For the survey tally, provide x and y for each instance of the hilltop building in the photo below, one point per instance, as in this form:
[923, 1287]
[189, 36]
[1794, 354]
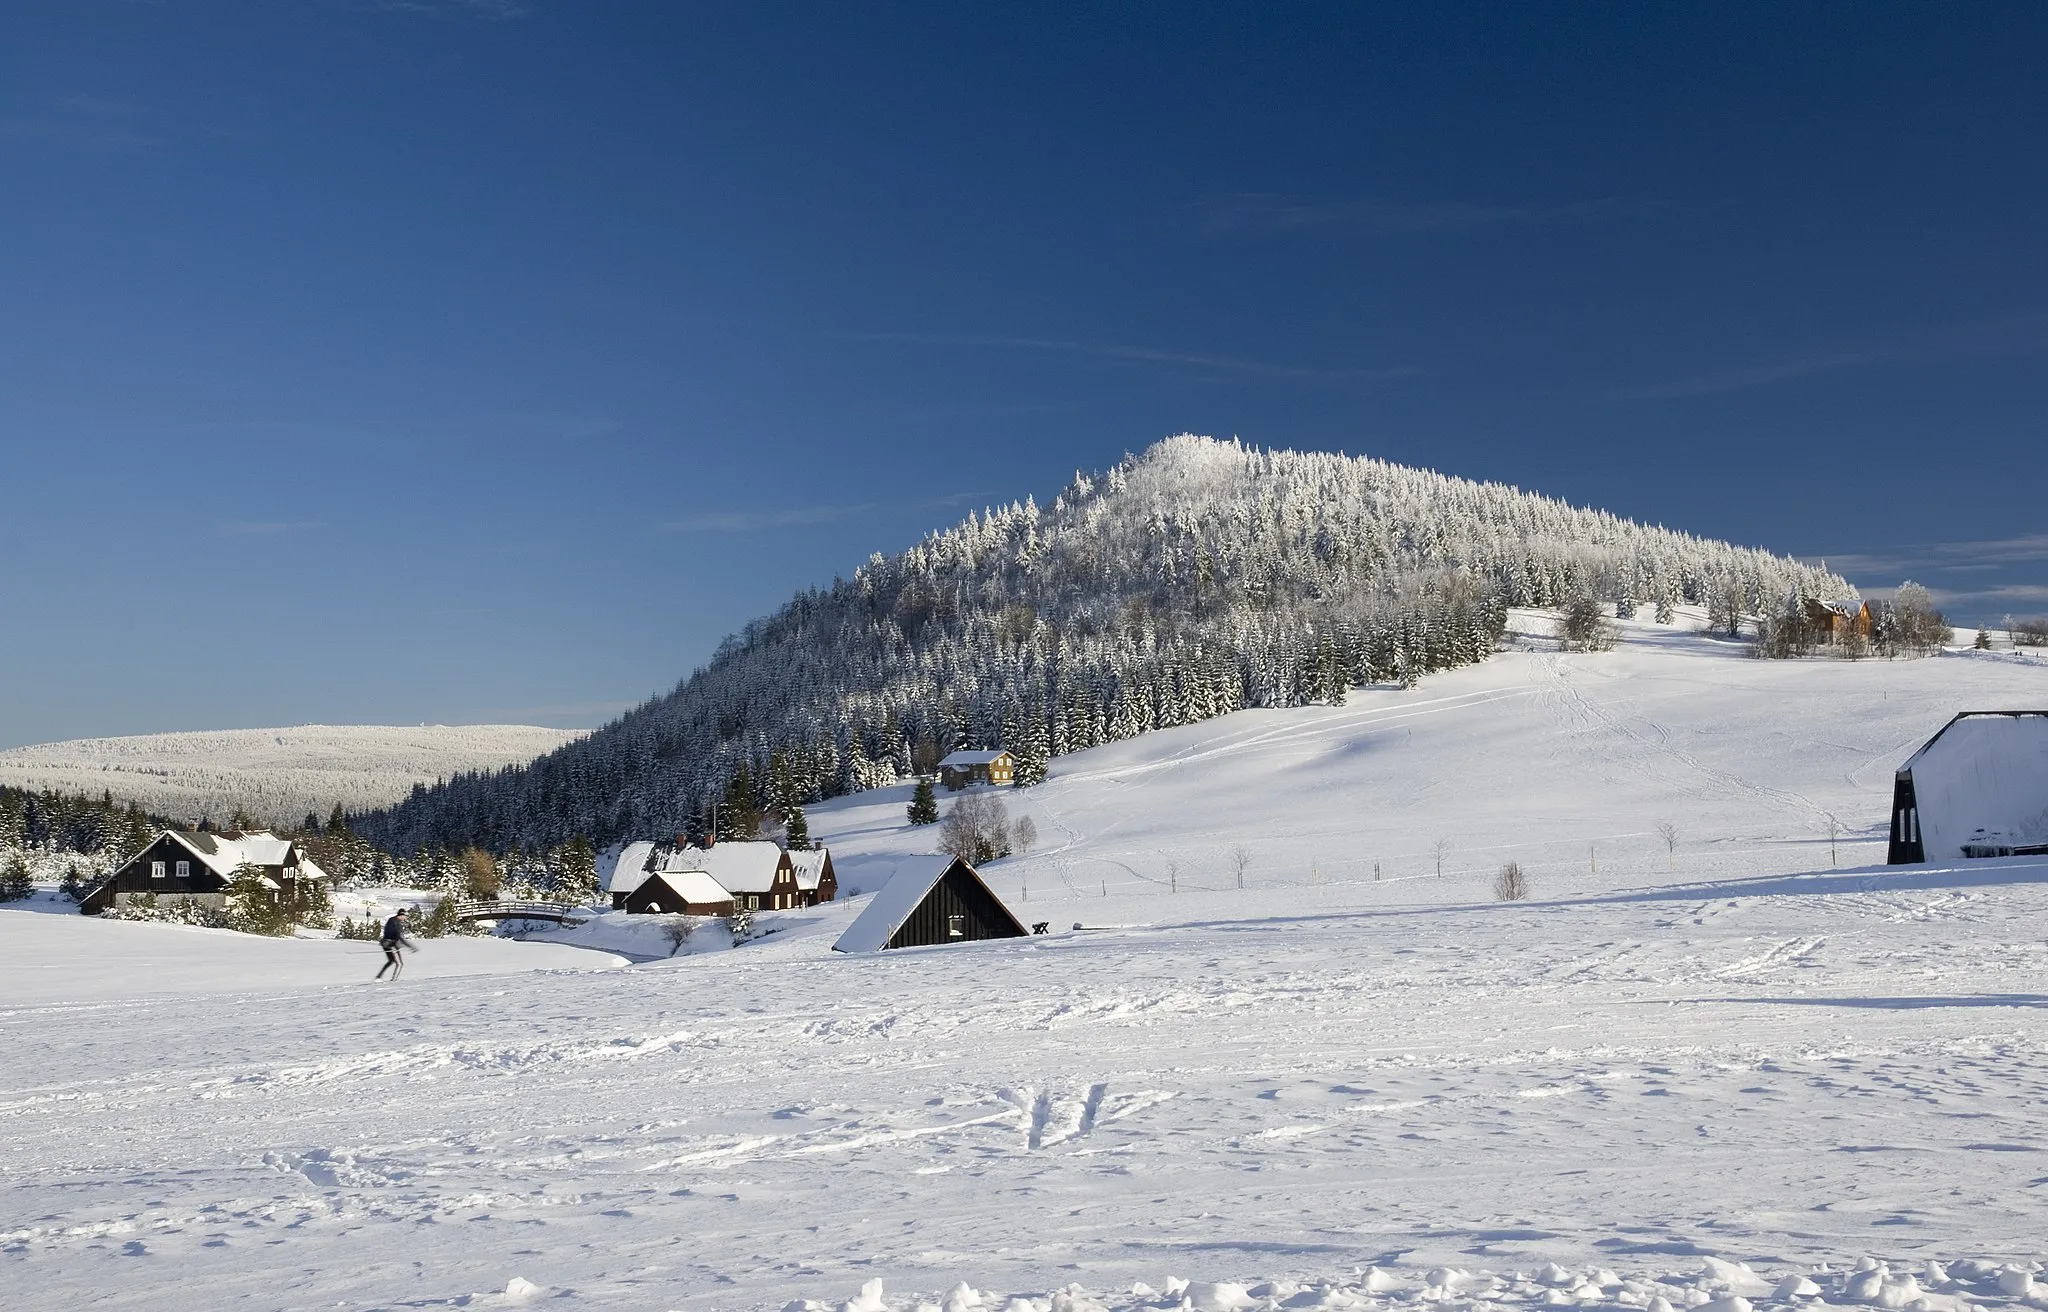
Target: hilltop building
[961, 769]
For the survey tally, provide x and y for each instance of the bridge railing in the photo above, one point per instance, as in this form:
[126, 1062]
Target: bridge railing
[516, 909]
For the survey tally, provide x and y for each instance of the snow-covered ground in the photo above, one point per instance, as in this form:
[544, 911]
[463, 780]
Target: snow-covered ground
[279, 775]
[1319, 1090]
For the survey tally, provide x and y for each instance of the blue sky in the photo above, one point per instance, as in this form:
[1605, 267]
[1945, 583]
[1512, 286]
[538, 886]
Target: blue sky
[443, 361]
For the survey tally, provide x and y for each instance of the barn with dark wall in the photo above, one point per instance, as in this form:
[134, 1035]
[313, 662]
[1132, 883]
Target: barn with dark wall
[1978, 788]
[930, 901]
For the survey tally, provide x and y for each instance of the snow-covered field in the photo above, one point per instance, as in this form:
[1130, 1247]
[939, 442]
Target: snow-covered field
[1320, 1090]
[279, 775]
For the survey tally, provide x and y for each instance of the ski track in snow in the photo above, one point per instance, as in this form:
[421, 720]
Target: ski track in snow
[1354, 1094]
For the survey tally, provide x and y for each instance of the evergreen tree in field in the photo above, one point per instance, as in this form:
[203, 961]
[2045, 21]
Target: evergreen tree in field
[577, 871]
[924, 802]
[253, 905]
[337, 822]
[796, 830]
[1664, 610]
[15, 881]
[1983, 642]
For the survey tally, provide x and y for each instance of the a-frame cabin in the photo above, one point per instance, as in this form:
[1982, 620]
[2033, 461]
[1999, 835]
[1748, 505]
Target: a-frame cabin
[930, 901]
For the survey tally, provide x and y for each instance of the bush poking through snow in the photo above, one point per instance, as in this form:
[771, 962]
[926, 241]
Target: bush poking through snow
[1511, 885]
[178, 911]
[677, 932]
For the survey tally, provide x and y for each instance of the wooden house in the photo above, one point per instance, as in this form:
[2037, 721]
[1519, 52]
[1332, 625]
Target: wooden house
[961, 769]
[759, 874]
[1838, 621]
[815, 880]
[677, 892]
[929, 901]
[194, 866]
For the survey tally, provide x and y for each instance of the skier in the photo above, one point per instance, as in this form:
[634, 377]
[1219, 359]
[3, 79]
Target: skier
[394, 941]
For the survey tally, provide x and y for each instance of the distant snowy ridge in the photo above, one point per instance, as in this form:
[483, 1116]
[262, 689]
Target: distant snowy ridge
[277, 775]
[1197, 579]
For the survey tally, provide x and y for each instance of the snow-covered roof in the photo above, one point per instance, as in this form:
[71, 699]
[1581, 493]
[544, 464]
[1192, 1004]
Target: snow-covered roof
[224, 853]
[622, 869]
[1982, 780]
[886, 911]
[741, 867]
[693, 886]
[972, 758]
[809, 867]
[1841, 605]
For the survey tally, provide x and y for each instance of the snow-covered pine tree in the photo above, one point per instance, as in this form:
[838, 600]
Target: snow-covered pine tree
[924, 802]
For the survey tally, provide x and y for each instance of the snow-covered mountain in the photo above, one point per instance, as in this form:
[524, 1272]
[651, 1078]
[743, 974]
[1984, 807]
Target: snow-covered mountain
[277, 775]
[1197, 579]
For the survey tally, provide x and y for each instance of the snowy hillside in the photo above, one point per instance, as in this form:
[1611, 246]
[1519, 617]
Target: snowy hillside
[1197, 579]
[279, 775]
[1319, 1091]
[1565, 763]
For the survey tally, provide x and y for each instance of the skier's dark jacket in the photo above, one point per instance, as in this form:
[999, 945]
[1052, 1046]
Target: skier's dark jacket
[394, 931]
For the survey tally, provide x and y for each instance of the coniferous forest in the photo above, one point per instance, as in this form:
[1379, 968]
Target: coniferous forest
[1199, 578]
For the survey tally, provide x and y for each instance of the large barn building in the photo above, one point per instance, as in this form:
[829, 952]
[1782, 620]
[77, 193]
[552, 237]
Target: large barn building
[931, 900]
[1978, 788]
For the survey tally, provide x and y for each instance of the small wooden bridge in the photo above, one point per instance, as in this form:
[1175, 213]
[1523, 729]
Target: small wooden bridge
[562, 913]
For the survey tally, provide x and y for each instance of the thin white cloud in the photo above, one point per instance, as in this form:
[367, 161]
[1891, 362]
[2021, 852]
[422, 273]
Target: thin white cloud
[1137, 355]
[1273, 214]
[492, 10]
[264, 528]
[2024, 335]
[1981, 553]
[753, 521]
[81, 122]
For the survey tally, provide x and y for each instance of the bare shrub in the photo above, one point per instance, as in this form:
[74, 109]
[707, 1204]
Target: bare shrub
[677, 932]
[1022, 835]
[2030, 633]
[1510, 885]
[1669, 833]
[1240, 860]
[977, 829]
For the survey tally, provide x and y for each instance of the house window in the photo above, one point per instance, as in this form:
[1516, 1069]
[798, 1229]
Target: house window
[956, 926]
[184, 870]
[156, 870]
[753, 902]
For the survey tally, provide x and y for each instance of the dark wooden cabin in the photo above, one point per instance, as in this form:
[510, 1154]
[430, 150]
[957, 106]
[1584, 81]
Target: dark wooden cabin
[679, 893]
[941, 900]
[197, 866]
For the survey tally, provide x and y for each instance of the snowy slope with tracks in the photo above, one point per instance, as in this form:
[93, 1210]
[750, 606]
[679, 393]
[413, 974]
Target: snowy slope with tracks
[1322, 1090]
